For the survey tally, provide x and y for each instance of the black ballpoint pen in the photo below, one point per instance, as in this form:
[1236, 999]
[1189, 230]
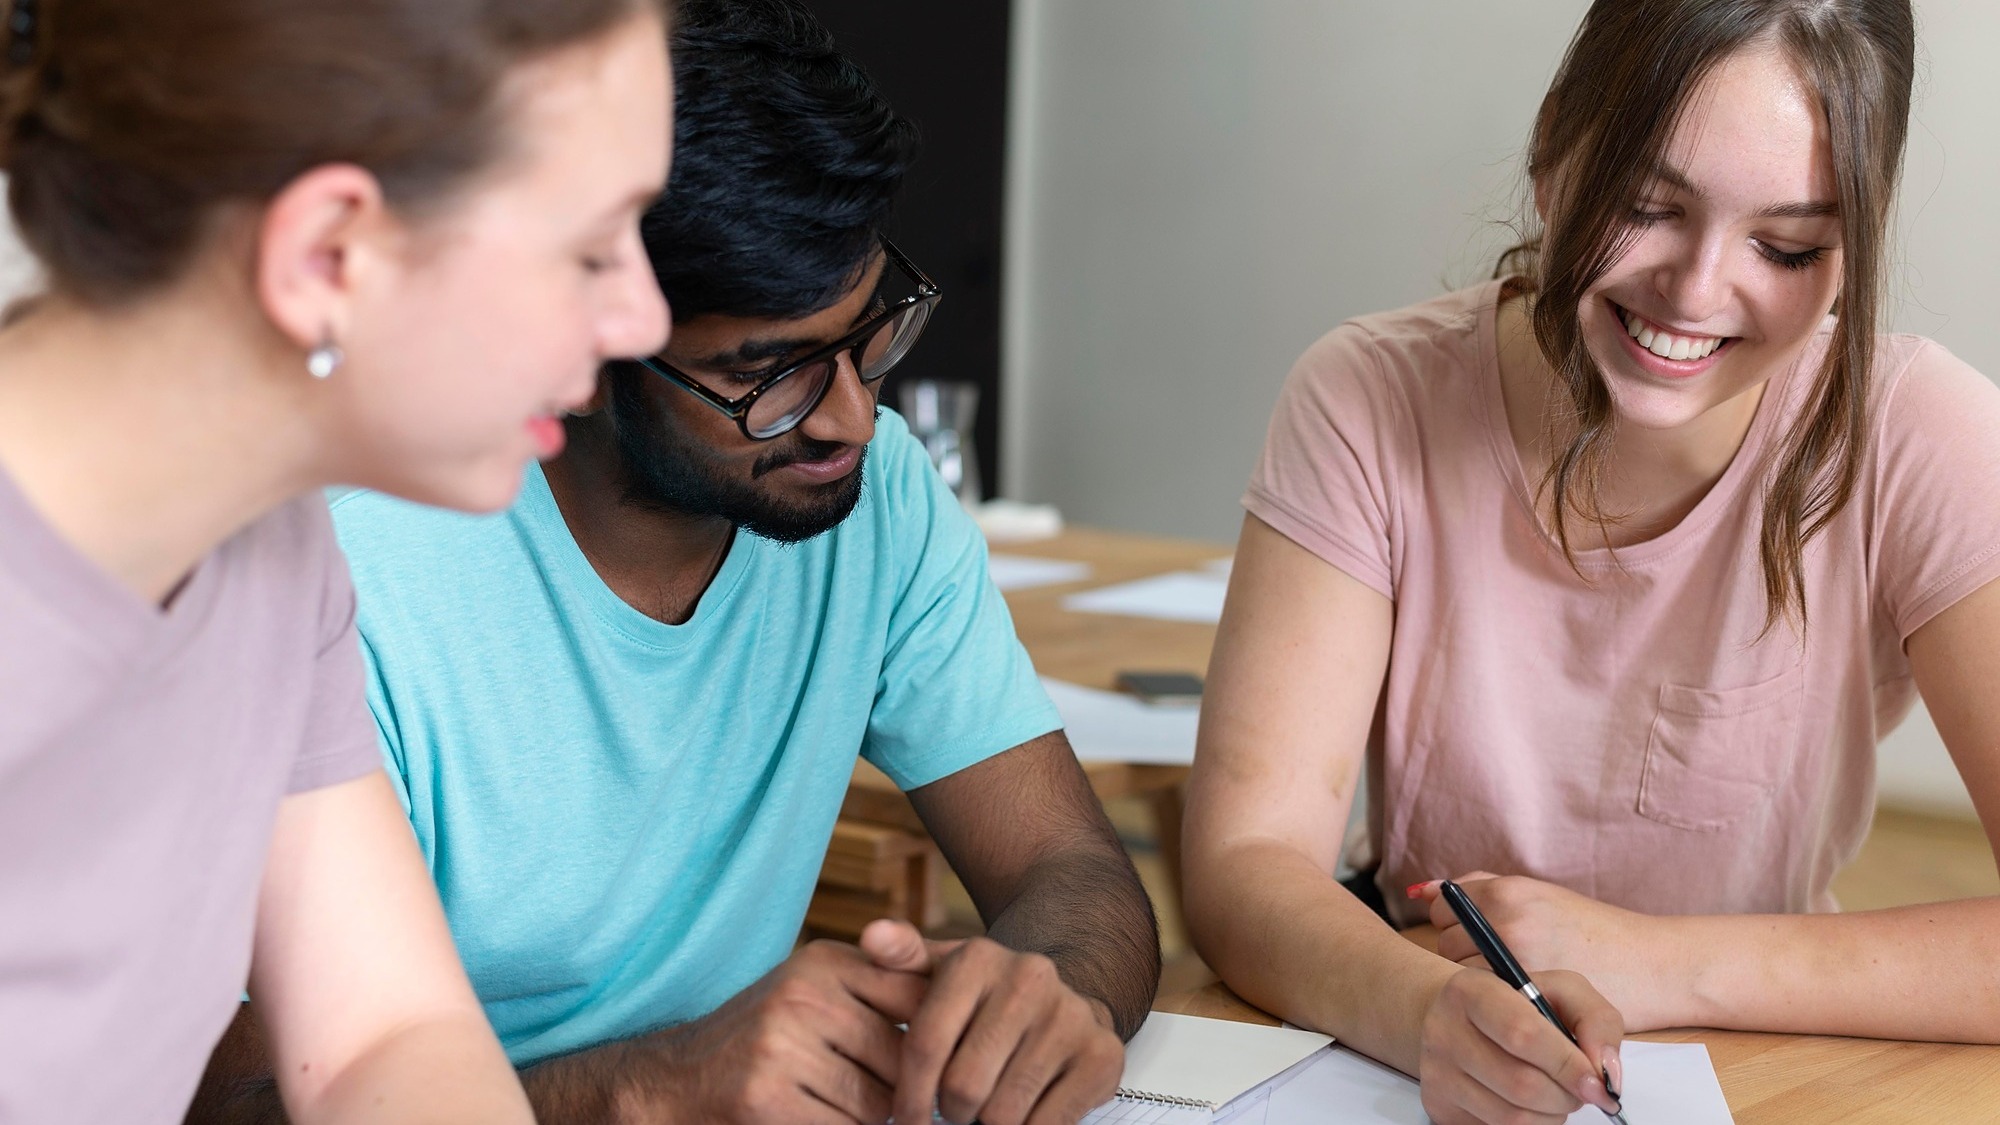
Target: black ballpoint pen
[1508, 969]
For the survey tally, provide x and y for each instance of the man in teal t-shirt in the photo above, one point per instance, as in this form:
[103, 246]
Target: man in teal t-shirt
[624, 713]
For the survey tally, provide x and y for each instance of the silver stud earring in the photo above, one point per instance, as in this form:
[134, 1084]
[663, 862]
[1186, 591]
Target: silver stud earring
[324, 360]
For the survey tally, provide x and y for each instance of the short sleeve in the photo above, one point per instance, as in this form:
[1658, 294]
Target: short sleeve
[339, 743]
[382, 706]
[1323, 480]
[956, 686]
[1937, 487]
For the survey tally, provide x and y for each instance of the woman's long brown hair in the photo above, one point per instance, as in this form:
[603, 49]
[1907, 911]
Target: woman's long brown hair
[1604, 126]
[126, 126]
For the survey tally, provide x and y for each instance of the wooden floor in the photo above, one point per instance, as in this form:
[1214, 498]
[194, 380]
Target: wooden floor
[1909, 858]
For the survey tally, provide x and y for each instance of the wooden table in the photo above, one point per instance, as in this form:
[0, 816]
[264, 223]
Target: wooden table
[1783, 1079]
[1091, 648]
[870, 872]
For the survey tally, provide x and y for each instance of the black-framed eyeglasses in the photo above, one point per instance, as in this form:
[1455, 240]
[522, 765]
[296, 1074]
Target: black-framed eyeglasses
[786, 397]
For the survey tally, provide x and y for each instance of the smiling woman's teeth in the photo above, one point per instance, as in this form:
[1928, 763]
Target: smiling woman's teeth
[1666, 345]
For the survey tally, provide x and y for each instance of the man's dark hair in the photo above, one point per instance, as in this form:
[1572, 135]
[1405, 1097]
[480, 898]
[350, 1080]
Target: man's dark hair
[786, 164]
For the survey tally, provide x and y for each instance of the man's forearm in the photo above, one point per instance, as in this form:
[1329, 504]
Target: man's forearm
[1086, 911]
[237, 1088]
[594, 1086]
[1035, 849]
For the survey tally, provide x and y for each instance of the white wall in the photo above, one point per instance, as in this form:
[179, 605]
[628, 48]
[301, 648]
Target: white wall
[18, 272]
[1199, 188]
[1202, 187]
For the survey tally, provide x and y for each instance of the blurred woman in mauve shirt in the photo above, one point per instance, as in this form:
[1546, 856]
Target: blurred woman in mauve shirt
[287, 245]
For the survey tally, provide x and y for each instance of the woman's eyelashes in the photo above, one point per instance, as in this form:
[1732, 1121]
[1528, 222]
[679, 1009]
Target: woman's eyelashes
[1793, 260]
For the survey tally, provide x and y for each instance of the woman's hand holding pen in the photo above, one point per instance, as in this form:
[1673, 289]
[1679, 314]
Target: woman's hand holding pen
[1551, 927]
[1500, 1046]
[1489, 1058]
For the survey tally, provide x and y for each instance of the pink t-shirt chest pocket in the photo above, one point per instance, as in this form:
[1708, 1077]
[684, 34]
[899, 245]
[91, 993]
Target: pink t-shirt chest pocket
[1717, 754]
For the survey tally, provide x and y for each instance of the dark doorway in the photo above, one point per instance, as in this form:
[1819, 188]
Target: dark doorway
[945, 67]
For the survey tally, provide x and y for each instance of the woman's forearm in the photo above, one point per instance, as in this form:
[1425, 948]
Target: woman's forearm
[436, 1072]
[1925, 972]
[1289, 939]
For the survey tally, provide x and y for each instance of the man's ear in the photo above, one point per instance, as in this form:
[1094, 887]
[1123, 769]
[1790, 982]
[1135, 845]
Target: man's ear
[309, 251]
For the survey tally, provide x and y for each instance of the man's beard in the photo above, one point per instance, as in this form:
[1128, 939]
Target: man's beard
[666, 472]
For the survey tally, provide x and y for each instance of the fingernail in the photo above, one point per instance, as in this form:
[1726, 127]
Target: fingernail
[1614, 1075]
[1592, 1092]
[1416, 890]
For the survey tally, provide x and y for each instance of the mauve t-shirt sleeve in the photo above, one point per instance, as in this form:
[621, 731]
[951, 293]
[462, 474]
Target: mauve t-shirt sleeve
[1324, 480]
[1937, 488]
[339, 742]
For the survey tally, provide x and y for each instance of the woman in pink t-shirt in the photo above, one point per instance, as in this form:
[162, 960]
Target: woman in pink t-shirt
[286, 245]
[1607, 578]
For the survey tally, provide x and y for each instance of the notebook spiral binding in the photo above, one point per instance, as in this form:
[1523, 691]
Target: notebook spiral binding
[1131, 1095]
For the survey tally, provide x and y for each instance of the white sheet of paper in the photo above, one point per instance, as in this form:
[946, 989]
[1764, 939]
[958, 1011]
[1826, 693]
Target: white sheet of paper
[1022, 572]
[1112, 726]
[1184, 595]
[1346, 1088]
[1665, 1084]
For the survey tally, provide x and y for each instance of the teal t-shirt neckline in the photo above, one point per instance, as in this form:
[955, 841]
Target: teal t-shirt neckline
[554, 543]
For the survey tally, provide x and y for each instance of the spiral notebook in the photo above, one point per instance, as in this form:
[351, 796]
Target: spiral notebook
[1181, 1070]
